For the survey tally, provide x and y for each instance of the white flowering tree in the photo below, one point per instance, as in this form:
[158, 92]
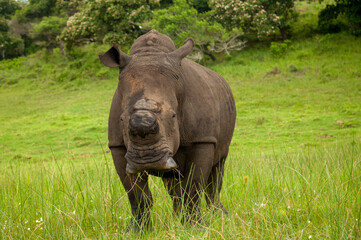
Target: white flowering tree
[256, 17]
[106, 21]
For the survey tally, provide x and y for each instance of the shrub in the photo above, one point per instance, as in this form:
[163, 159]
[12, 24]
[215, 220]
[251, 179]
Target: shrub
[35, 9]
[180, 21]
[10, 45]
[47, 30]
[8, 8]
[107, 21]
[278, 50]
[258, 18]
[350, 9]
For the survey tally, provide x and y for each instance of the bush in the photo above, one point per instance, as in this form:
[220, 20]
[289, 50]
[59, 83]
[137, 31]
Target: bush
[278, 50]
[180, 21]
[47, 30]
[106, 21]
[259, 18]
[10, 46]
[35, 9]
[329, 17]
[8, 8]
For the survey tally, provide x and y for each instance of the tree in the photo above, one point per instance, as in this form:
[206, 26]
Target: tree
[70, 7]
[46, 31]
[285, 10]
[10, 45]
[180, 21]
[350, 9]
[258, 18]
[107, 21]
[8, 8]
[36, 9]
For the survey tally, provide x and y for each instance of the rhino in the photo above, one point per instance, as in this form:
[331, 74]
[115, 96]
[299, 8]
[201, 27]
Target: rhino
[172, 118]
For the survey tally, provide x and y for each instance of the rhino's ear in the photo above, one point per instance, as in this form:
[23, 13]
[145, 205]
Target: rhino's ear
[184, 50]
[114, 57]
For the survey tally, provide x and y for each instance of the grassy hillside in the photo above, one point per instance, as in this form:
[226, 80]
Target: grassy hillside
[294, 164]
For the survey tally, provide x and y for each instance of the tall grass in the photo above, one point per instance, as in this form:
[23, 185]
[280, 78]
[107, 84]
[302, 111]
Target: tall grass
[314, 193]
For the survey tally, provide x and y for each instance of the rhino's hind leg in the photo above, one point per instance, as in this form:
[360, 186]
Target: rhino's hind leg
[136, 186]
[214, 186]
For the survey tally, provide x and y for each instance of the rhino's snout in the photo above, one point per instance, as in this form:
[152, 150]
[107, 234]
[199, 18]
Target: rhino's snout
[143, 123]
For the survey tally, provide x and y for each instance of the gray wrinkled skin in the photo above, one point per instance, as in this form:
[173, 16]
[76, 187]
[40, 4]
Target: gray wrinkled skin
[170, 117]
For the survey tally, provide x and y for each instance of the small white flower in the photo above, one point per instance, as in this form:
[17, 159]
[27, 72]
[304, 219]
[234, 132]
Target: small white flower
[120, 217]
[26, 221]
[309, 221]
[73, 212]
[28, 229]
[288, 207]
[356, 219]
[262, 205]
[309, 237]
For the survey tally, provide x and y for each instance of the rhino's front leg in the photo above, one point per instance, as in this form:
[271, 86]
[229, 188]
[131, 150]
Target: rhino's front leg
[136, 186]
[197, 170]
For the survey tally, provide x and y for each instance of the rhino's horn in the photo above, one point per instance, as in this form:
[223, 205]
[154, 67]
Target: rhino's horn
[114, 57]
[184, 50]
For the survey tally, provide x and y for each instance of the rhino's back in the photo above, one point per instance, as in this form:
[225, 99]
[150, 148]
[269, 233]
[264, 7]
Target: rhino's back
[208, 108]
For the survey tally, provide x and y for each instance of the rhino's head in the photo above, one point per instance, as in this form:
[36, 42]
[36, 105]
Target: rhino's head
[151, 90]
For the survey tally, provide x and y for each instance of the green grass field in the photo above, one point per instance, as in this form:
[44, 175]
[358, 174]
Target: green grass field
[293, 172]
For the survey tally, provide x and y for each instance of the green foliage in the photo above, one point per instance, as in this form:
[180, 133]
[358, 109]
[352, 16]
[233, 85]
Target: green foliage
[3, 25]
[329, 18]
[180, 21]
[8, 8]
[10, 45]
[69, 7]
[306, 25]
[279, 49]
[36, 9]
[106, 21]
[286, 12]
[257, 17]
[200, 5]
[47, 30]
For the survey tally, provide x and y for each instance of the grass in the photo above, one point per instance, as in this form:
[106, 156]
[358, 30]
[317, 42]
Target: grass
[293, 170]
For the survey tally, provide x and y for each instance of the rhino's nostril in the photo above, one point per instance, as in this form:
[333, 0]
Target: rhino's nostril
[143, 123]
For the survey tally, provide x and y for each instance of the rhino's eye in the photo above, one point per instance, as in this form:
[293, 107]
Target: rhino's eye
[121, 119]
[173, 115]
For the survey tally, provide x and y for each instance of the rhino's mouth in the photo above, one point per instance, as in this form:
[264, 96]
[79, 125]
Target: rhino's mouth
[140, 158]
